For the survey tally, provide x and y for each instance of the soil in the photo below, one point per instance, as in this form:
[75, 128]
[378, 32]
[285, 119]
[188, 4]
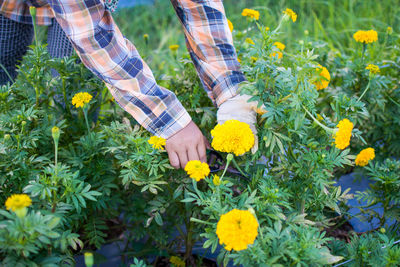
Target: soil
[193, 262]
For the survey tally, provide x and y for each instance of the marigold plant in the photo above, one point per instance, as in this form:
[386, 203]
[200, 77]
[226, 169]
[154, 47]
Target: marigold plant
[365, 156]
[232, 136]
[197, 170]
[343, 134]
[237, 229]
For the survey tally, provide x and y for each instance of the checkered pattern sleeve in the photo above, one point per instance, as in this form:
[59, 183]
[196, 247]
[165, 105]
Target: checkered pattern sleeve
[104, 50]
[210, 44]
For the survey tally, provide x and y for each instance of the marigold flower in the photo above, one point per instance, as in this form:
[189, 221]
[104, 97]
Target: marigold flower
[174, 47]
[254, 14]
[343, 134]
[291, 14]
[230, 25]
[254, 59]
[216, 180]
[366, 37]
[365, 156]
[177, 261]
[18, 201]
[276, 54]
[373, 69]
[237, 229]
[197, 170]
[232, 136]
[145, 36]
[239, 60]
[80, 99]
[157, 142]
[324, 78]
[266, 28]
[249, 41]
[279, 45]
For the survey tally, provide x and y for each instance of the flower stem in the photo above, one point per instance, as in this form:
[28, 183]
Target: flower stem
[366, 89]
[329, 130]
[228, 161]
[86, 119]
[238, 167]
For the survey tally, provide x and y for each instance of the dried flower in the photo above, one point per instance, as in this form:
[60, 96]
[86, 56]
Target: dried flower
[237, 229]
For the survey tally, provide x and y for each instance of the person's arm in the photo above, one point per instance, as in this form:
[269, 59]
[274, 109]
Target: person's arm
[210, 45]
[104, 50]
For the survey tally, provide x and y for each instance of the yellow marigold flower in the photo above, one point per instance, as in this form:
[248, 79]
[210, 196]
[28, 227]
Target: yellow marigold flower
[366, 37]
[373, 69]
[145, 36]
[216, 180]
[279, 45]
[343, 134]
[365, 156]
[254, 59]
[157, 142]
[249, 41]
[276, 54]
[177, 261]
[80, 99]
[230, 25]
[18, 201]
[173, 48]
[251, 13]
[291, 14]
[232, 136]
[267, 28]
[237, 229]
[324, 78]
[239, 60]
[197, 170]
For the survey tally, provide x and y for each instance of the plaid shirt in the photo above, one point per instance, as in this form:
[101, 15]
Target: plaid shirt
[113, 58]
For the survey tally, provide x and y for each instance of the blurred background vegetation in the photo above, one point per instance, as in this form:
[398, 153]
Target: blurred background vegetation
[329, 21]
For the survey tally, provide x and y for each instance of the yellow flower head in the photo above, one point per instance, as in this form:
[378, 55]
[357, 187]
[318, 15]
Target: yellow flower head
[254, 14]
[157, 142]
[276, 54]
[366, 37]
[216, 180]
[237, 229]
[230, 25]
[291, 14]
[177, 261]
[365, 156]
[80, 99]
[279, 45]
[145, 36]
[173, 48]
[266, 28]
[232, 136]
[249, 41]
[254, 59]
[343, 134]
[389, 30]
[197, 170]
[373, 69]
[18, 201]
[324, 78]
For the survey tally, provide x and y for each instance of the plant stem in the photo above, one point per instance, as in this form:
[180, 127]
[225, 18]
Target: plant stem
[329, 130]
[86, 119]
[226, 168]
[366, 89]
[238, 167]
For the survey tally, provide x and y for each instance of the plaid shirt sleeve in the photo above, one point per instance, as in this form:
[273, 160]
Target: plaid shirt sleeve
[104, 50]
[210, 45]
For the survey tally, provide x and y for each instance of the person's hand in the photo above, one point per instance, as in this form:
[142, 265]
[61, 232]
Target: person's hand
[186, 145]
[238, 108]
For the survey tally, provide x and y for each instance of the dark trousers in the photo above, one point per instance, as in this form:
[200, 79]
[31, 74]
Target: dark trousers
[15, 38]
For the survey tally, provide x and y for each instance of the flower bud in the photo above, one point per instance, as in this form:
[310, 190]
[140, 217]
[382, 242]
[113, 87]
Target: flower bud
[6, 137]
[23, 123]
[306, 32]
[89, 260]
[389, 30]
[382, 230]
[32, 10]
[216, 180]
[229, 157]
[55, 132]
[21, 212]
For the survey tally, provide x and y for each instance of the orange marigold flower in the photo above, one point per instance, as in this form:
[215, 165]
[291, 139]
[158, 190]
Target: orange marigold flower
[365, 156]
[343, 134]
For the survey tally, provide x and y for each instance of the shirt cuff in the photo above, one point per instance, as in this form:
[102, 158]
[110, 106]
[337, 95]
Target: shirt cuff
[226, 87]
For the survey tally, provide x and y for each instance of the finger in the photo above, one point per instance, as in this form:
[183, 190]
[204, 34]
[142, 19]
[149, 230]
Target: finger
[201, 150]
[183, 158]
[206, 143]
[173, 159]
[192, 153]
